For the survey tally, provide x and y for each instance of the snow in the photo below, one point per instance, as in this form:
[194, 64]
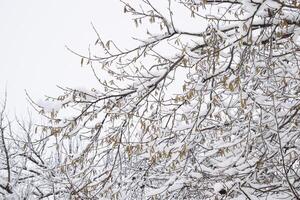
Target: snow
[50, 106]
[218, 187]
[152, 143]
[152, 192]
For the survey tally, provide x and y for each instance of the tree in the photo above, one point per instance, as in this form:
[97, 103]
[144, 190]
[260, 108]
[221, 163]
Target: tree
[212, 114]
[23, 170]
[5, 153]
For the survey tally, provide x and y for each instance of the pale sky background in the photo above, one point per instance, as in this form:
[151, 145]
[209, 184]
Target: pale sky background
[33, 36]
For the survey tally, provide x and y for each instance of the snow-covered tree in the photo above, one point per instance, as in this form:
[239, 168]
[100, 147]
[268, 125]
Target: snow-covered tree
[25, 165]
[206, 107]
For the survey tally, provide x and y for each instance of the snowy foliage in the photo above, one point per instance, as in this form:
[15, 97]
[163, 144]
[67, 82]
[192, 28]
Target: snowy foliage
[211, 113]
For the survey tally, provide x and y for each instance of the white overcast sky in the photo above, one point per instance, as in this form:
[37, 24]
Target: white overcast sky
[33, 35]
